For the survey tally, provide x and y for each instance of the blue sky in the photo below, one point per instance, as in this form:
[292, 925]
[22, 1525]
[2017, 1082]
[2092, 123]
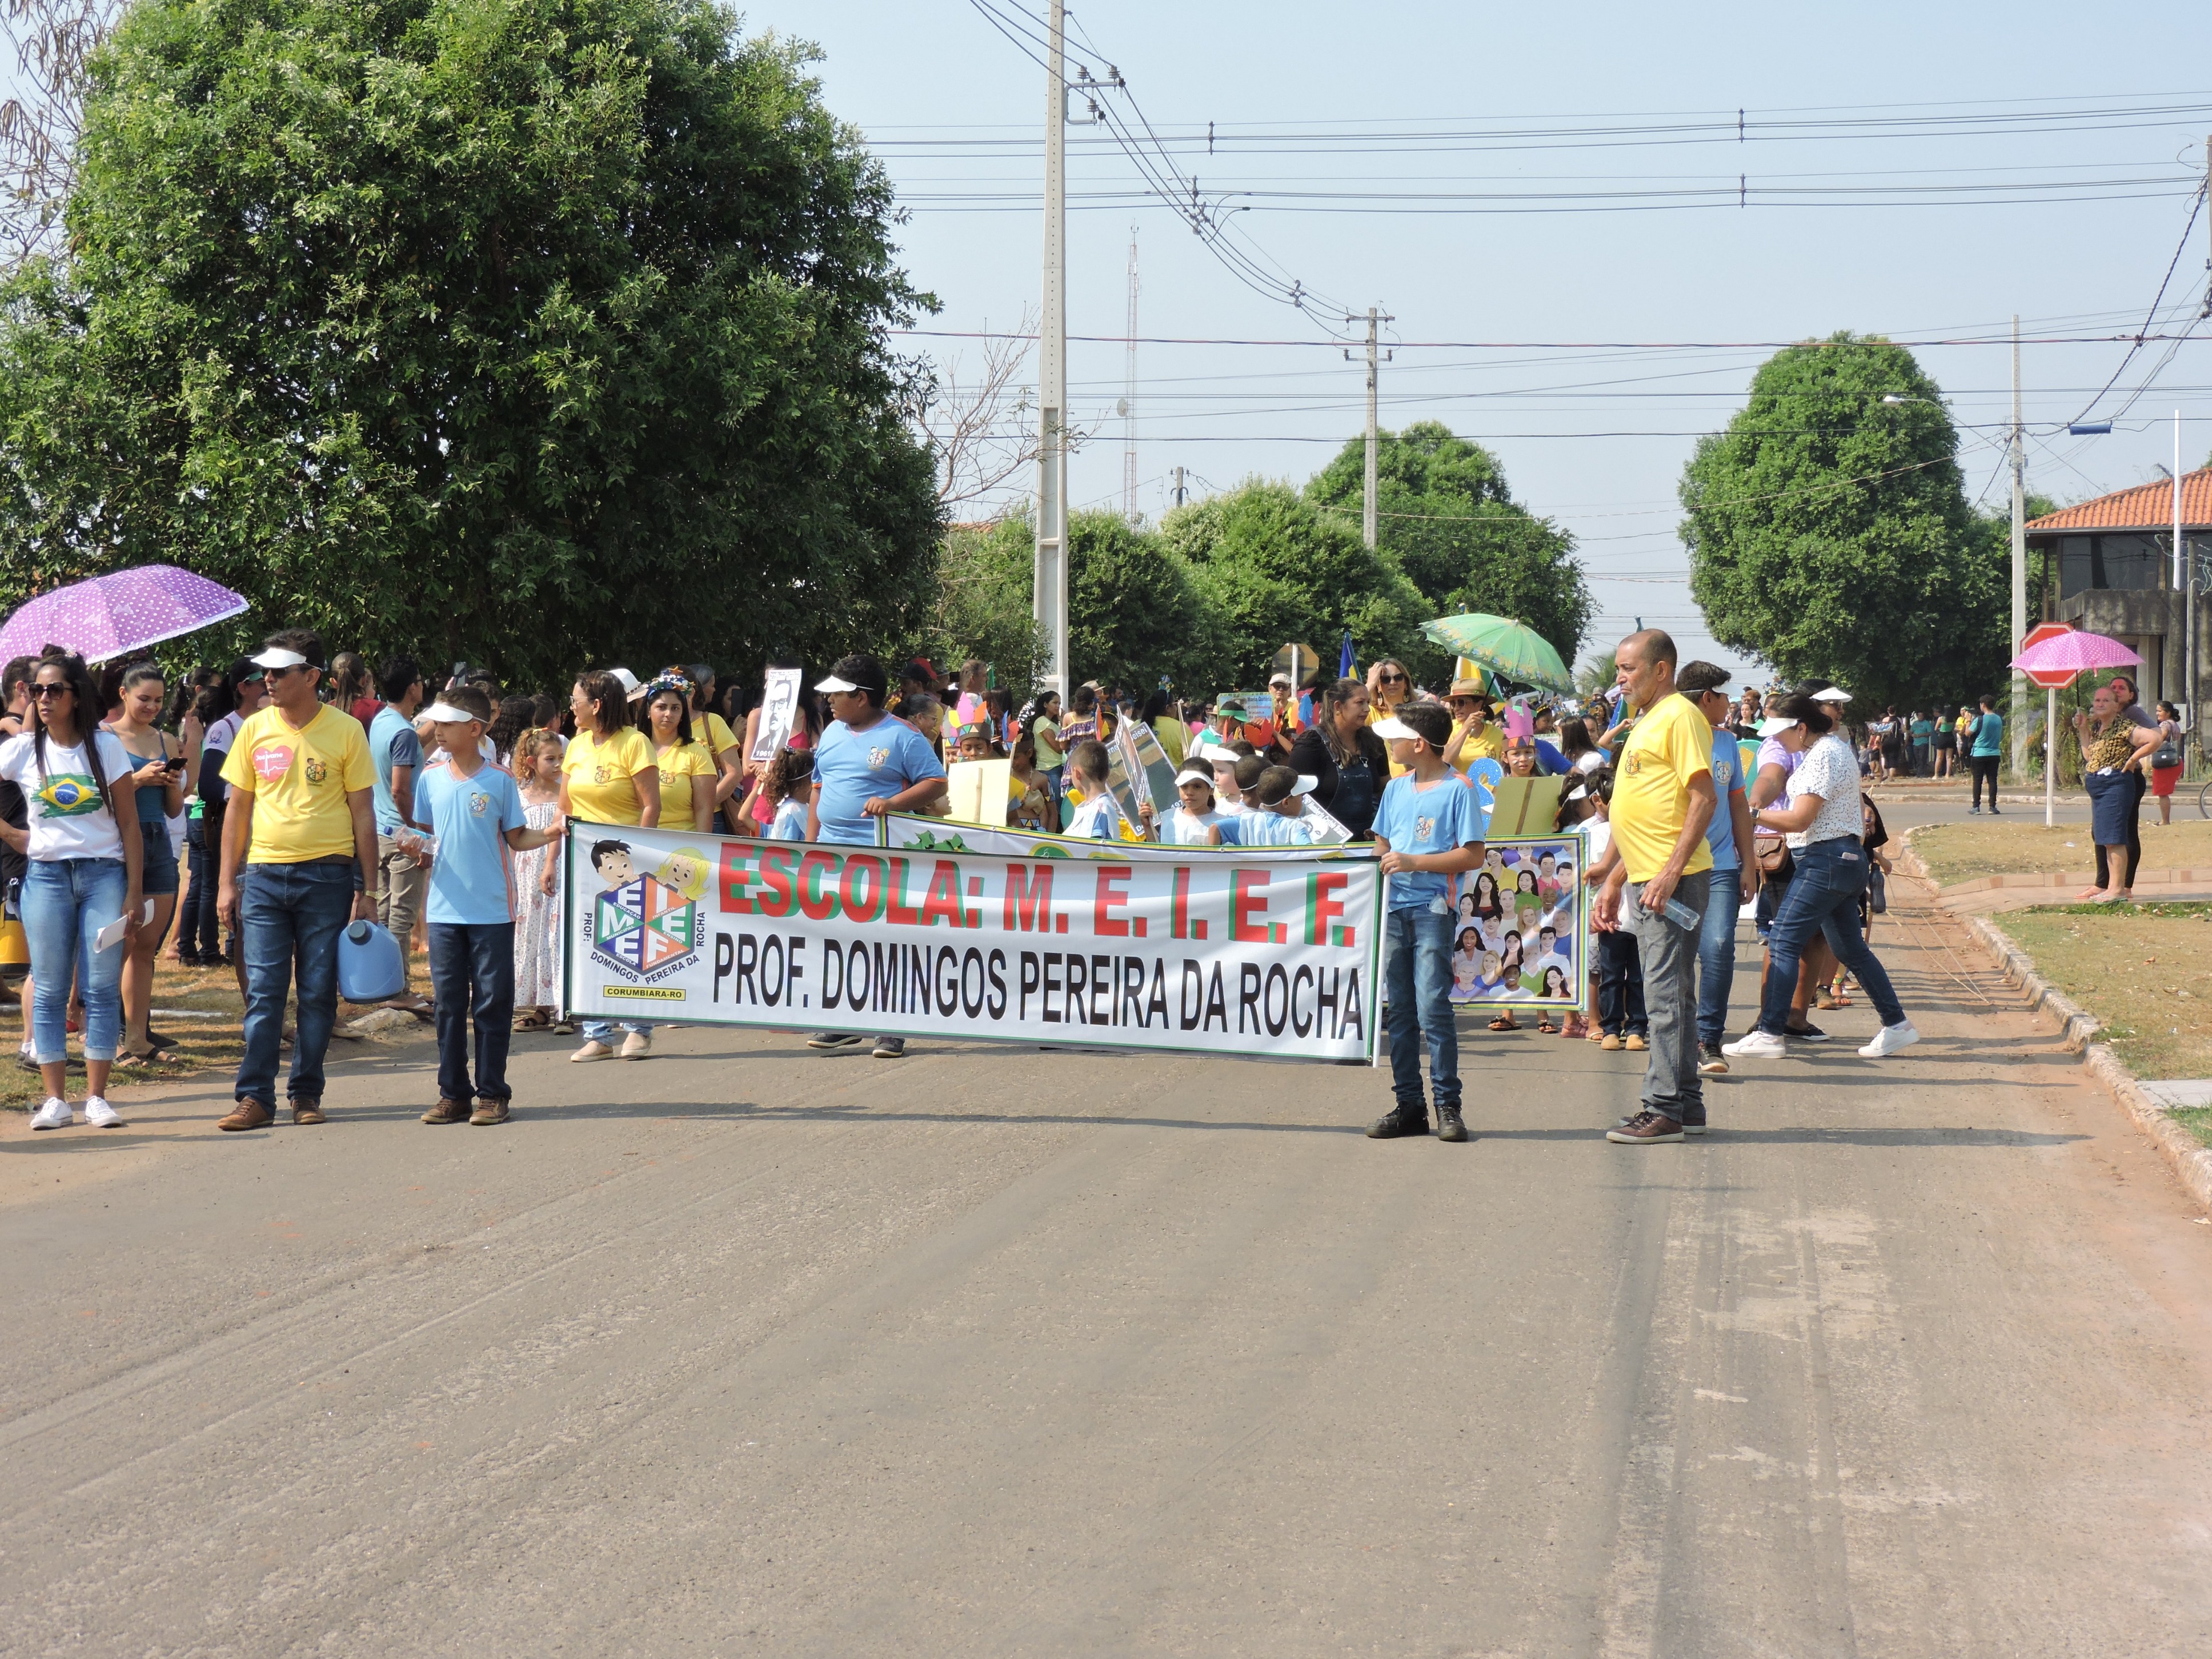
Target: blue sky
[1932, 102]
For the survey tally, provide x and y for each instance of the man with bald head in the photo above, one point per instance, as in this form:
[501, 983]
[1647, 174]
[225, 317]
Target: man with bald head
[1663, 800]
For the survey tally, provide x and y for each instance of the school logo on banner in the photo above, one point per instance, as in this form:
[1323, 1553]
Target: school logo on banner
[644, 931]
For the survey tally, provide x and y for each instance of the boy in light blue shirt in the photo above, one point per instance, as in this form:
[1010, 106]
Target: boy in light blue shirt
[475, 811]
[1277, 798]
[1429, 828]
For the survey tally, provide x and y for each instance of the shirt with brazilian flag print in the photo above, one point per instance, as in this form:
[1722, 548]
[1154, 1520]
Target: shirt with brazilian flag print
[67, 819]
[299, 781]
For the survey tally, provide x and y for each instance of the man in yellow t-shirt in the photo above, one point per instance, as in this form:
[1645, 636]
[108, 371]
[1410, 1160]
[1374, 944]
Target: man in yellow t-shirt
[299, 862]
[1659, 862]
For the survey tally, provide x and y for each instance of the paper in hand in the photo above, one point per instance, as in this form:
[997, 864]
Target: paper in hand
[112, 935]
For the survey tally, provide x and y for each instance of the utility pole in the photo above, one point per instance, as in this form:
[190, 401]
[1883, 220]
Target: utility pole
[1178, 486]
[2192, 644]
[1129, 397]
[1049, 584]
[2019, 567]
[1367, 518]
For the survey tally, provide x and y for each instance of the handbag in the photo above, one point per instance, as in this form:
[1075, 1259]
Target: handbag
[2167, 754]
[1772, 854]
[1877, 889]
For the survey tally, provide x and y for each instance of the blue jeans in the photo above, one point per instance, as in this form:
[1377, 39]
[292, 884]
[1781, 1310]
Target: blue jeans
[472, 973]
[1824, 898]
[291, 915]
[200, 929]
[601, 1031]
[65, 902]
[1716, 954]
[1620, 1011]
[1417, 978]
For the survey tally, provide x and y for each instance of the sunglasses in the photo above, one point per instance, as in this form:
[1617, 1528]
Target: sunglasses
[1390, 679]
[47, 690]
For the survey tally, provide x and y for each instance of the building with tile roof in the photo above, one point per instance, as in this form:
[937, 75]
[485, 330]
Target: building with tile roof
[2108, 566]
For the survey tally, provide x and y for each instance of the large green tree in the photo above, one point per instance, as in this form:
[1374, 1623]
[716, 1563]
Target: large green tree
[532, 331]
[1447, 518]
[1275, 567]
[1829, 533]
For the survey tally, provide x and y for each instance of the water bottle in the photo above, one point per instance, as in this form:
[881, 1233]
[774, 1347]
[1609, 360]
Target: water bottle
[370, 966]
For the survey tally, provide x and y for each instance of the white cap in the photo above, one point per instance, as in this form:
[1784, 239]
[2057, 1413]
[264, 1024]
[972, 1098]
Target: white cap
[631, 690]
[1306, 785]
[833, 684]
[277, 657]
[1281, 676]
[1833, 694]
[1774, 726]
[442, 710]
[1390, 726]
[1191, 773]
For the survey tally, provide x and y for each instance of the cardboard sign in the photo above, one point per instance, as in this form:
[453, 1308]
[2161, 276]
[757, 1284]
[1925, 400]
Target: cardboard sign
[979, 792]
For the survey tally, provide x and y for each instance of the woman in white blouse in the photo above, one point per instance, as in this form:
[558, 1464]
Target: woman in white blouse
[1822, 823]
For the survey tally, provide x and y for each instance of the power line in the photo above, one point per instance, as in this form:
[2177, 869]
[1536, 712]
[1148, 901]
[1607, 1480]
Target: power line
[2196, 207]
[1560, 345]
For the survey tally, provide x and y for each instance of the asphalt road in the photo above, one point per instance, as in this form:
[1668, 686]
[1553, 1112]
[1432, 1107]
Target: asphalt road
[746, 1350]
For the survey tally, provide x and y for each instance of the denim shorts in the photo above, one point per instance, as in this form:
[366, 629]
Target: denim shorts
[157, 863]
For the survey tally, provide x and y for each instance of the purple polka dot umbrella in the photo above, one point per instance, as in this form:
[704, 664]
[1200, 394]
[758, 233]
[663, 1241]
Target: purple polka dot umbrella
[119, 614]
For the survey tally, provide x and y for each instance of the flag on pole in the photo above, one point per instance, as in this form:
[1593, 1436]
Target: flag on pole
[1343, 657]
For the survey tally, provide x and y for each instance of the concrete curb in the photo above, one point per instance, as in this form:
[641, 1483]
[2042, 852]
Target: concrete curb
[2190, 1161]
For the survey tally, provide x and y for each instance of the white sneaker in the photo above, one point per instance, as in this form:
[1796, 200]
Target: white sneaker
[54, 1115]
[1888, 1040]
[1756, 1045]
[101, 1115]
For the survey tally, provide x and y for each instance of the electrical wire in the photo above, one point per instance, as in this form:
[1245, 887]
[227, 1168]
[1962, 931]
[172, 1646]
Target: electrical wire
[2196, 207]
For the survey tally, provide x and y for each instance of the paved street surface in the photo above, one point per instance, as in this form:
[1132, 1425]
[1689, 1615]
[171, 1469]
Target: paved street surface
[746, 1350]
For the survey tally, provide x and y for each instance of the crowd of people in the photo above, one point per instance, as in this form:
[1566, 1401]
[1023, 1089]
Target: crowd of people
[308, 795]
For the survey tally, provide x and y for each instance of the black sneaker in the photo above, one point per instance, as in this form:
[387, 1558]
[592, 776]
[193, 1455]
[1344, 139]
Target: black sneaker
[1806, 1033]
[1449, 1125]
[827, 1039]
[1711, 1061]
[1399, 1120]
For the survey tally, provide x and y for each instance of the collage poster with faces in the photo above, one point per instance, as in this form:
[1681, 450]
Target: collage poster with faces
[1521, 928]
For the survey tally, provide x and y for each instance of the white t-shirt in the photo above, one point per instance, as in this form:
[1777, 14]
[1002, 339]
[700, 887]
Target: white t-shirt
[218, 737]
[1184, 827]
[1831, 771]
[1099, 818]
[67, 820]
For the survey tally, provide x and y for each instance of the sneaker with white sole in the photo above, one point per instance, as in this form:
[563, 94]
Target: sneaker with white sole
[101, 1115]
[891, 1047]
[1888, 1040]
[1710, 1064]
[637, 1046]
[593, 1049]
[54, 1115]
[1756, 1045]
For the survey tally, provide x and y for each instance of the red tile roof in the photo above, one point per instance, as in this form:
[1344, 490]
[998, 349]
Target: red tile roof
[2147, 507]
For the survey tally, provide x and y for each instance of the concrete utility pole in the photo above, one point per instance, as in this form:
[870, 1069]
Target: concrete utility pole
[1049, 587]
[2019, 567]
[1129, 397]
[1367, 496]
[2191, 645]
[1178, 486]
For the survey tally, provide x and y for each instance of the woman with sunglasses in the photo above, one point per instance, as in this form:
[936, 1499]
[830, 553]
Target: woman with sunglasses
[83, 847]
[1388, 687]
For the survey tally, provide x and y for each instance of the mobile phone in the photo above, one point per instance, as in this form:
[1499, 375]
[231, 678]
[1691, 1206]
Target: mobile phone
[175, 763]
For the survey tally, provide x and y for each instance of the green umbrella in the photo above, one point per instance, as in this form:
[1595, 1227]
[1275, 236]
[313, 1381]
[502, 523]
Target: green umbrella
[1510, 649]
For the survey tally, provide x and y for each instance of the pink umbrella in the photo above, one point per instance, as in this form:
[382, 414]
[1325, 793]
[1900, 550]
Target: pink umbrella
[115, 615]
[2077, 653]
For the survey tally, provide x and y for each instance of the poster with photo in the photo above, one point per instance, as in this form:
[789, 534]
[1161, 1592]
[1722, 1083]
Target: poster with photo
[1520, 927]
[779, 708]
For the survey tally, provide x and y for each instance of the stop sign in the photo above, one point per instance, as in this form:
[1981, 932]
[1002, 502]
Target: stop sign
[2048, 679]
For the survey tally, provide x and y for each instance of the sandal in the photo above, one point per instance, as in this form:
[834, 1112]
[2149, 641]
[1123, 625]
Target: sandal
[531, 1020]
[1503, 1023]
[1544, 1025]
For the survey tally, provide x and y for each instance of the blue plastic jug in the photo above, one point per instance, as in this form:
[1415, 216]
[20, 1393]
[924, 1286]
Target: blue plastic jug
[370, 966]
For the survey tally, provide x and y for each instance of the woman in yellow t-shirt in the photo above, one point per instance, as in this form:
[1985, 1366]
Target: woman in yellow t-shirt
[608, 776]
[687, 772]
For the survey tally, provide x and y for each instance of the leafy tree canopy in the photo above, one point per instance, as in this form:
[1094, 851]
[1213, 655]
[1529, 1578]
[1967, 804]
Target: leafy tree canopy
[1448, 520]
[532, 330]
[1275, 567]
[1829, 533]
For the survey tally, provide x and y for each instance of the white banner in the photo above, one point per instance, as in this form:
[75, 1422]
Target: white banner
[1217, 951]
